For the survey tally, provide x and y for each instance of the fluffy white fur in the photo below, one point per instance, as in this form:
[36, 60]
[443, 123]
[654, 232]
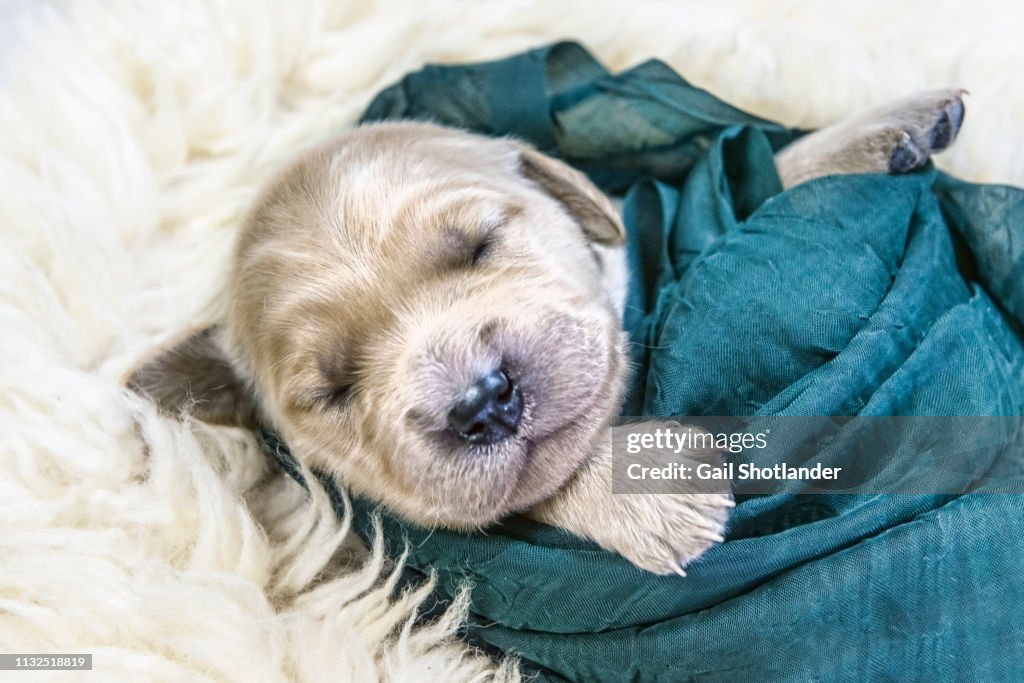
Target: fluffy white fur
[134, 136]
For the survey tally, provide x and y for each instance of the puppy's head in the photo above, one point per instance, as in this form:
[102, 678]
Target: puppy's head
[418, 311]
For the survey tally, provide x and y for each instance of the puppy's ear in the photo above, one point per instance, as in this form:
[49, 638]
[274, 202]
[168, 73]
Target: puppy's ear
[195, 376]
[584, 202]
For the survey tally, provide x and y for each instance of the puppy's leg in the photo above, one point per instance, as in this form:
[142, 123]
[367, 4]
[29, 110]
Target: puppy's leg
[896, 138]
[661, 533]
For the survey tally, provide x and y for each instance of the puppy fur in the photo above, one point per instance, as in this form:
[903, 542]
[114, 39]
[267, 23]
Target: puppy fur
[381, 273]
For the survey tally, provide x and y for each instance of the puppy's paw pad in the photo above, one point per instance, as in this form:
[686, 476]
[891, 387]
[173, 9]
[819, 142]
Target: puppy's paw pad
[906, 156]
[946, 127]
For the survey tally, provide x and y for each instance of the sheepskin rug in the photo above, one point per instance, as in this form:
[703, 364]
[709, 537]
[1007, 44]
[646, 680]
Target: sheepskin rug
[133, 135]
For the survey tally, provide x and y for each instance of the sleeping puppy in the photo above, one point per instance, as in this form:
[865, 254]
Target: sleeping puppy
[430, 316]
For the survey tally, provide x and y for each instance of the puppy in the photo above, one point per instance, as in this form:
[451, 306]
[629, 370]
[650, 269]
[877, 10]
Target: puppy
[425, 314]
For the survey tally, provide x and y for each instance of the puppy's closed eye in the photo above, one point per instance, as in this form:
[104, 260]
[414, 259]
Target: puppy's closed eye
[339, 383]
[470, 241]
[454, 248]
[461, 248]
[338, 396]
[483, 248]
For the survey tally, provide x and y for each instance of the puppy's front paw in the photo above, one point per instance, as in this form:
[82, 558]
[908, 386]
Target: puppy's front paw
[663, 533]
[660, 529]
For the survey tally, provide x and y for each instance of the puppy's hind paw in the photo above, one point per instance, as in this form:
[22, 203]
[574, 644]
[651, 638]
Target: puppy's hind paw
[896, 138]
[927, 123]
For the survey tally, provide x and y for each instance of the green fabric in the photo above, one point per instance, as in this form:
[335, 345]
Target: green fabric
[840, 297]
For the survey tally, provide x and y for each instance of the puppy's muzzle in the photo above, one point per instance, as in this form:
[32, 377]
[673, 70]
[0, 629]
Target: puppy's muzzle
[489, 411]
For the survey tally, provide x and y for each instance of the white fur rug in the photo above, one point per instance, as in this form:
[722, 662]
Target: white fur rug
[133, 135]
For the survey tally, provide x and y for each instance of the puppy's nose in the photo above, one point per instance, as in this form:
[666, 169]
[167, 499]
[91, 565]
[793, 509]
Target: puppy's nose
[489, 411]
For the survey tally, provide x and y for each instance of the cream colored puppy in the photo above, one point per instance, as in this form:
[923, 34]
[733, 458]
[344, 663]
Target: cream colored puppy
[423, 313]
